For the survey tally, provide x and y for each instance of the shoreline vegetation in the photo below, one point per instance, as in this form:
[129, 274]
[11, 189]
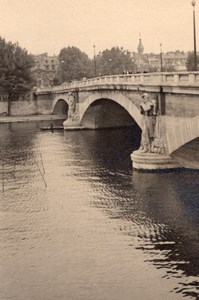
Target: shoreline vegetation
[29, 118]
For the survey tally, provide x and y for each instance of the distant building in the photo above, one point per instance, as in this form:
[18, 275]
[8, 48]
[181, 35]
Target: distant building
[171, 61]
[176, 60]
[45, 69]
[154, 61]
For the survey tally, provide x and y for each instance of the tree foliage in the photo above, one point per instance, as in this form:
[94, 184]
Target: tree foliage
[115, 61]
[74, 64]
[190, 61]
[15, 70]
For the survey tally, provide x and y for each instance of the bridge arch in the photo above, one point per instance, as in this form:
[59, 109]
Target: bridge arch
[182, 132]
[60, 104]
[120, 99]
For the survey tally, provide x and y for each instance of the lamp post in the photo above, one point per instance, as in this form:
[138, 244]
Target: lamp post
[194, 35]
[62, 71]
[95, 61]
[160, 57]
[110, 71]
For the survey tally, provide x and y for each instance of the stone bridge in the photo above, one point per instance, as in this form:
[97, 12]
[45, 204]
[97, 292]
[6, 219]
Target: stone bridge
[114, 101]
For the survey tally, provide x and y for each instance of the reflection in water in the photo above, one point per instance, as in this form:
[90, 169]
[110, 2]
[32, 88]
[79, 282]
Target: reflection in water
[175, 205]
[77, 223]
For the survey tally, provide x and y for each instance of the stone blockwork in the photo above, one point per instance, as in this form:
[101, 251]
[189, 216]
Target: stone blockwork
[25, 105]
[181, 105]
[180, 131]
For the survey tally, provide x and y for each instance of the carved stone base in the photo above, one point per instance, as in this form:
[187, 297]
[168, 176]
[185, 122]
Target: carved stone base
[71, 123]
[153, 161]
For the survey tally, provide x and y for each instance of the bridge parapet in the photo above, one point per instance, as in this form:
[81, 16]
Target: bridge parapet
[163, 79]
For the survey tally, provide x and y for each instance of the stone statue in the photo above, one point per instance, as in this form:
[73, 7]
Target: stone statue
[71, 105]
[148, 108]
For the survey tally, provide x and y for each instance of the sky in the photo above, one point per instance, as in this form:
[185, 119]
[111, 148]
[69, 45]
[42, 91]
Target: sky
[50, 25]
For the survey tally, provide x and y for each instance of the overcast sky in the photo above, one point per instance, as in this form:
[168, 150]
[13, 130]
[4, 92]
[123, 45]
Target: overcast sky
[49, 25]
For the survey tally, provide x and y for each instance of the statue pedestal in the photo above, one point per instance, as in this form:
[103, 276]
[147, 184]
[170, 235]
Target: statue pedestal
[153, 161]
[71, 123]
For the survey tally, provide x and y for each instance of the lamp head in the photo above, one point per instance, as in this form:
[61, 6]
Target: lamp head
[193, 2]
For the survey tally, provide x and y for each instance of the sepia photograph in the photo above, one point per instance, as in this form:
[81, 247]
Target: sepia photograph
[99, 150]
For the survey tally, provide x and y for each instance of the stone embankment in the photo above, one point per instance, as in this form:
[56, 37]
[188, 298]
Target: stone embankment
[11, 119]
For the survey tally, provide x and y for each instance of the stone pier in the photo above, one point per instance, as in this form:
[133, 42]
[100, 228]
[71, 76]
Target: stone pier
[153, 161]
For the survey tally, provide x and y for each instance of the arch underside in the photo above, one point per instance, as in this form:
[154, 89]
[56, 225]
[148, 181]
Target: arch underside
[60, 108]
[183, 141]
[60, 105]
[104, 113]
[188, 154]
[181, 131]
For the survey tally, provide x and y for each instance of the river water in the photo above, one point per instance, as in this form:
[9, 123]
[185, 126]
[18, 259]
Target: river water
[77, 223]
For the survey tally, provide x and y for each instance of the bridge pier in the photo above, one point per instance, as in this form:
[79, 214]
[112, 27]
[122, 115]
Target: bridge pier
[73, 121]
[69, 124]
[153, 161]
[152, 154]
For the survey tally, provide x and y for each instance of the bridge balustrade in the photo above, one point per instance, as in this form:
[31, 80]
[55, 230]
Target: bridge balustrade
[173, 79]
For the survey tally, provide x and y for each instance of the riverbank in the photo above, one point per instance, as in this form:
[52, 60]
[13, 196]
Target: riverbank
[12, 119]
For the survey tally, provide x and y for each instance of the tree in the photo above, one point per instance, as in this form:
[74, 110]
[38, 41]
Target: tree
[74, 64]
[190, 61]
[115, 61]
[15, 70]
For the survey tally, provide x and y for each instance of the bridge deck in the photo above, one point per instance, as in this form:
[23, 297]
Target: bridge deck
[163, 79]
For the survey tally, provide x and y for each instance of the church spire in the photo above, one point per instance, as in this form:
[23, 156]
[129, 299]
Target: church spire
[140, 46]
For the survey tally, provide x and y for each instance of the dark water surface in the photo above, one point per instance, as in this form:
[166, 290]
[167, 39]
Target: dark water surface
[76, 223]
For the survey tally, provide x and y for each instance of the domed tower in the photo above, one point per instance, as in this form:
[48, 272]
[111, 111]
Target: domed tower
[140, 56]
[140, 47]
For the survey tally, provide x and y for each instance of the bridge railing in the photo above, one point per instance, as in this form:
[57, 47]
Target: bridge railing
[172, 79]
